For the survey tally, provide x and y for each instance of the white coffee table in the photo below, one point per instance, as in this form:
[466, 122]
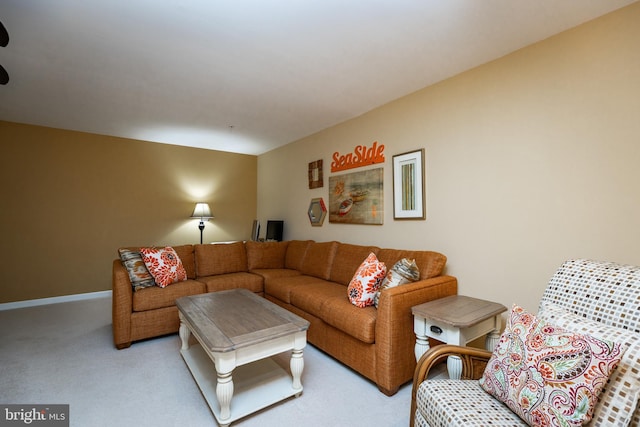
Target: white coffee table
[238, 331]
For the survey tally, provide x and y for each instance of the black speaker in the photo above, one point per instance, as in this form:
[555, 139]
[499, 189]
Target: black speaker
[274, 230]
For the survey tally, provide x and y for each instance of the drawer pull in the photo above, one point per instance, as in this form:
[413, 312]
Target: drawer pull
[435, 329]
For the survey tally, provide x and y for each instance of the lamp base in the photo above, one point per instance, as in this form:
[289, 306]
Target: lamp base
[201, 227]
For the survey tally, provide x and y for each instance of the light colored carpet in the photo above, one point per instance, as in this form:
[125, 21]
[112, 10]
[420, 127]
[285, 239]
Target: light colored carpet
[64, 354]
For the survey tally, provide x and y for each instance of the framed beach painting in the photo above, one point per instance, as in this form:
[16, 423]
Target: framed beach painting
[408, 186]
[357, 197]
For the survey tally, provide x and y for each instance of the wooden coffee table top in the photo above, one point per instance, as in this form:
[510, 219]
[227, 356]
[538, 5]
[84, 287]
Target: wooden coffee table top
[228, 320]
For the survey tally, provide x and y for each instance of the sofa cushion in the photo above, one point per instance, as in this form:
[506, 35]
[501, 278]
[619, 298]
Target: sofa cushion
[360, 323]
[281, 287]
[430, 264]
[350, 257]
[221, 282]
[318, 259]
[266, 254]
[274, 273]
[185, 252]
[295, 253]
[155, 297]
[546, 374]
[311, 296]
[164, 264]
[366, 281]
[618, 403]
[464, 404]
[327, 301]
[220, 258]
[139, 275]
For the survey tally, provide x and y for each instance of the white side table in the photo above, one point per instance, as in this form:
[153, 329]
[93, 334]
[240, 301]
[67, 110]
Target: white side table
[456, 320]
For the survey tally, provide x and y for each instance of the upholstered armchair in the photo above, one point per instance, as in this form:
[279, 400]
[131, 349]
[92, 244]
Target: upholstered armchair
[588, 298]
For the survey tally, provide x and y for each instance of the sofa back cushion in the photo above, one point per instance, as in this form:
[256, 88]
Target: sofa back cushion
[220, 258]
[347, 260]
[295, 253]
[318, 259]
[430, 264]
[186, 255]
[266, 254]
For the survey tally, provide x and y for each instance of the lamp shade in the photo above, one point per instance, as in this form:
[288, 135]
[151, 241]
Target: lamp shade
[202, 211]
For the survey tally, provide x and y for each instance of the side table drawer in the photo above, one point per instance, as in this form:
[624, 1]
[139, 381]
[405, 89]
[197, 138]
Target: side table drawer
[452, 335]
[440, 331]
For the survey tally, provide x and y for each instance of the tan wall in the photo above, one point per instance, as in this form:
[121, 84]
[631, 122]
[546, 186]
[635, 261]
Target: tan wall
[530, 159]
[70, 199]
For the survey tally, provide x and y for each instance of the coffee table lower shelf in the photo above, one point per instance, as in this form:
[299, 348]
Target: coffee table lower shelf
[256, 385]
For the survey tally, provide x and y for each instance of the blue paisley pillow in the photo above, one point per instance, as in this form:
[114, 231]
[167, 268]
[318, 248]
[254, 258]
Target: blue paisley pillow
[546, 374]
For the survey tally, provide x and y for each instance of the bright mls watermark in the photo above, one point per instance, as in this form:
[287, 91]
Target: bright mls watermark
[34, 415]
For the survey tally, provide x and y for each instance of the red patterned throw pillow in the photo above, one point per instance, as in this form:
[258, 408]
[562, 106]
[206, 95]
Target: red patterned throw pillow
[366, 281]
[547, 375]
[164, 265]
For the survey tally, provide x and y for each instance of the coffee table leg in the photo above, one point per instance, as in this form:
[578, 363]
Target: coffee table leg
[184, 333]
[297, 365]
[224, 392]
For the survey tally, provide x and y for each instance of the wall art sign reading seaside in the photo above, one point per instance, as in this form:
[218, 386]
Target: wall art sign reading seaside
[361, 156]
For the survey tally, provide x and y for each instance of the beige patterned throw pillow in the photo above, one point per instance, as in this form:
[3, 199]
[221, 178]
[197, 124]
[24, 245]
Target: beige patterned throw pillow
[403, 271]
[138, 274]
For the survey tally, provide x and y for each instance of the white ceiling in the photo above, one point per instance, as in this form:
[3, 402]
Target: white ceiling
[247, 76]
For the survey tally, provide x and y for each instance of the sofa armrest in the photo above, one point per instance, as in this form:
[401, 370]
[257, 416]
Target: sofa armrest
[395, 339]
[474, 362]
[122, 305]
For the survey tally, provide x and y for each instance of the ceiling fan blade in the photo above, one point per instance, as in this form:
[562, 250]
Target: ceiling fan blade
[4, 40]
[4, 36]
[4, 76]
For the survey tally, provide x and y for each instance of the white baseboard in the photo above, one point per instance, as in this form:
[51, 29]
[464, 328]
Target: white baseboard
[54, 300]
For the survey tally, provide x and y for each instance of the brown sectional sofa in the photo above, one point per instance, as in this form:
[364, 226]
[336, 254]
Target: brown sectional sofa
[307, 278]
